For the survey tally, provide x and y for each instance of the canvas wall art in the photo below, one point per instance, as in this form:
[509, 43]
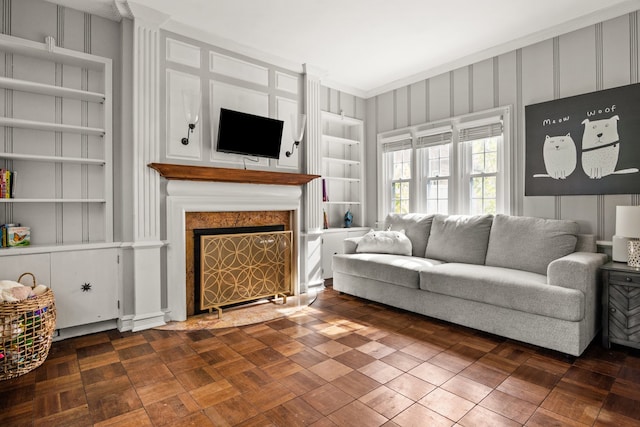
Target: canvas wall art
[584, 144]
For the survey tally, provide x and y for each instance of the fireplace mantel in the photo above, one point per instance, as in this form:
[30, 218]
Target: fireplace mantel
[205, 173]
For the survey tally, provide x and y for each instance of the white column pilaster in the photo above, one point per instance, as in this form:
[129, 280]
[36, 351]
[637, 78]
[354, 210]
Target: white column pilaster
[146, 182]
[313, 193]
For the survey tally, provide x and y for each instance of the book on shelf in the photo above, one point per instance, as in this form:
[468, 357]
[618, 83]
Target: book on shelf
[325, 196]
[15, 235]
[7, 184]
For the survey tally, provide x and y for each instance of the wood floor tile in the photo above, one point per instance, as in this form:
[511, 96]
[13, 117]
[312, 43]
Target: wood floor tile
[622, 405]
[355, 384]
[418, 415]
[412, 387]
[571, 406]
[432, 373]
[159, 391]
[376, 349]
[330, 369]
[75, 417]
[327, 399]
[380, 371]
[467, 388]
[353, 340]
[269, 396]
[308, 357]
[294, 413]
[509, 406]
[447, 404]
[231, 412]
[332, 348]
[214, 393]
[386, 401]
[544, 418]
[401, 360]
[612, 419]
[170, 410]
[111, 398]
[483, 417]
[524, 390]
[302, 382]
[356, 413]
[354, 359]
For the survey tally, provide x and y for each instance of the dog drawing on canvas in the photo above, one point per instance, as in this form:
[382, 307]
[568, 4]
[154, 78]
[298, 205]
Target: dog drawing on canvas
[601, 147]
[560, 157]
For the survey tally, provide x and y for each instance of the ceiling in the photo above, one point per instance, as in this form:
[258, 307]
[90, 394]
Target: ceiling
[367, 47]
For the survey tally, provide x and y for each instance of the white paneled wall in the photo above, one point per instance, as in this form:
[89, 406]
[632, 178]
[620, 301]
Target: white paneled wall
[597, 57]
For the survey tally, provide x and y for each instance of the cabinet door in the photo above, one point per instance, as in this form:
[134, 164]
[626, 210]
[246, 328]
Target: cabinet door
[85, 285]
[11, 267]
[331, 245]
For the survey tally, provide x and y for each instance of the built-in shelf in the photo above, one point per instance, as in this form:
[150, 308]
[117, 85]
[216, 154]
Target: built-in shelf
[53, 159]
[340, 140]
[26, 200]
[55, 127]
[204, 173]
[341, 161]
[45, 89]
[342, 179]
[343, 203]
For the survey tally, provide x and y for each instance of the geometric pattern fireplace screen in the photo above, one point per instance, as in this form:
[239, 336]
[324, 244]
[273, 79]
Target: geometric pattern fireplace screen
[243, 267]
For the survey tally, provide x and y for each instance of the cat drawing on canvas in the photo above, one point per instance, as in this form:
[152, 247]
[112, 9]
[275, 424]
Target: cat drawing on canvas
[601, 148]
[560, 157]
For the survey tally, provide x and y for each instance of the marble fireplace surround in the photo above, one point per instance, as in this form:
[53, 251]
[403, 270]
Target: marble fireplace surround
[185, 195]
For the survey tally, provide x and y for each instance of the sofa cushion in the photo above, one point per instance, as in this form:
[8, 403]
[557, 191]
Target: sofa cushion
[396, 269]
[503, 287]
[385, 242]
[529, 244]
[459, 238]
[416, 226]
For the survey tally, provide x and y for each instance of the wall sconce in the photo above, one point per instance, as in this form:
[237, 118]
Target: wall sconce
[297, 131]
[625, 243]
[191, 101]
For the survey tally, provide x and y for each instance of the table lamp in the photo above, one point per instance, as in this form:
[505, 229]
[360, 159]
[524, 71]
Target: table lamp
[626, 243]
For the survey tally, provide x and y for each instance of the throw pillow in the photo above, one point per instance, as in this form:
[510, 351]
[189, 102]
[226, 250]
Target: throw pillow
[459, 238]
[416, 226]
[385, 242]
[530, 244]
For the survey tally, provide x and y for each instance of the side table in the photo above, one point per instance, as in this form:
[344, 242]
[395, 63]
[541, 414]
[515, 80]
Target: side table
[620, 305]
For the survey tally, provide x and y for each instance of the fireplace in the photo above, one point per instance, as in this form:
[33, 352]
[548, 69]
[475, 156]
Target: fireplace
[233, 265]
[202, 205]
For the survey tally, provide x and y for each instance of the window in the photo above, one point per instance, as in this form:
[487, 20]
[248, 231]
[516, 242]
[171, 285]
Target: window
[458, 165]
[396, 163]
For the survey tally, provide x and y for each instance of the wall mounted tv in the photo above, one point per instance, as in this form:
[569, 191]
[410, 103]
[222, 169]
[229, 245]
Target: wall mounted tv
[248, 134]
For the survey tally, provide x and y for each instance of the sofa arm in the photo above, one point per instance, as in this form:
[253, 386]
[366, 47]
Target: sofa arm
[578, 270]
[350, 244]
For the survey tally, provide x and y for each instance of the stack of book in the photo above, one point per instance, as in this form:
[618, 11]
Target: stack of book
[15, 235]
[7, 184]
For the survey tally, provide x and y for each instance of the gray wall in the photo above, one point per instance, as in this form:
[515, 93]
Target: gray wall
[598, 57]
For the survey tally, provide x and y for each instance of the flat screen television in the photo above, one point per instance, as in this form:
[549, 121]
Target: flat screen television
[248, 134]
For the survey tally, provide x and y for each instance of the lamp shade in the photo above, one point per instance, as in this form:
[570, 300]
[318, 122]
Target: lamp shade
[628, 221]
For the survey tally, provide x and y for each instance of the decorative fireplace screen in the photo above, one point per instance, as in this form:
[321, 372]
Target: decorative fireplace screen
[243, 267]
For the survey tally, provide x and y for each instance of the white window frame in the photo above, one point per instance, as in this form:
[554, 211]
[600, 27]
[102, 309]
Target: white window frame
[460, 163]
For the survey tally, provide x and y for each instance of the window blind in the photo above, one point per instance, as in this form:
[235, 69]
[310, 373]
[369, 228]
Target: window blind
[480, 132]
[435, 139]
[388, 147]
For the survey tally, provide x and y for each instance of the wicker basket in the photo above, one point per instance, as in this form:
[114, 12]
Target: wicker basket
[26, 331]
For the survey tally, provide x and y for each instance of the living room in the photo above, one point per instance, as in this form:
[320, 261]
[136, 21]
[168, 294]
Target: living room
[126, 231]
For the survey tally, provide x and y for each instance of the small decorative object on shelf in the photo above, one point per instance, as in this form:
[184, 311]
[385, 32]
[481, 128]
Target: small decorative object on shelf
[348, 219]
[325, 218]
[633, 246]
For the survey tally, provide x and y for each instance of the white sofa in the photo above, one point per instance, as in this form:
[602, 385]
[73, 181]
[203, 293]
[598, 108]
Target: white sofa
[529, 279]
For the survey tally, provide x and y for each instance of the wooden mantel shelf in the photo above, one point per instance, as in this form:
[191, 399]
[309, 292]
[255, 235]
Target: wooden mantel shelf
[205, 173]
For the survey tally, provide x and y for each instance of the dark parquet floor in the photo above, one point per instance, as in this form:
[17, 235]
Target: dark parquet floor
[341, 362]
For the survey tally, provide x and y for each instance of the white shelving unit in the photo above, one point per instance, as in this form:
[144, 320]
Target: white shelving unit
[84, 150]
[58, 140]
[342, 170]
